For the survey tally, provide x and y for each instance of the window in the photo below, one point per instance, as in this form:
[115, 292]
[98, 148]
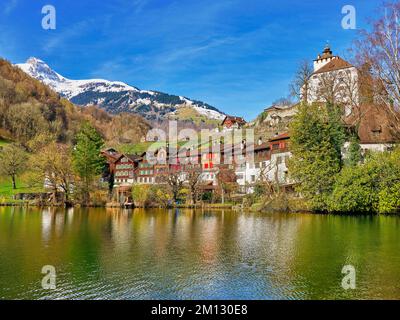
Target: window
[253, 178]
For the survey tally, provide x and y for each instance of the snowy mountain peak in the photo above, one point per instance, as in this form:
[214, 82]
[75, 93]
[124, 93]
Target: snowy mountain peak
[40, 70]
[115, 96]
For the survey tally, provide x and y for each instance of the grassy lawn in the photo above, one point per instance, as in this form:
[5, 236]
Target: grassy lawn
[139, 148]
[6, 191]
[3, 142]
[189, 114]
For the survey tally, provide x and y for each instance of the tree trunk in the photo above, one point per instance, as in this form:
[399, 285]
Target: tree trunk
[223, 196]
[14, 185]
[193, 194]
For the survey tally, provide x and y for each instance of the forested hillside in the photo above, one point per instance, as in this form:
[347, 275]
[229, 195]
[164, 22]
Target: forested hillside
[34, 115]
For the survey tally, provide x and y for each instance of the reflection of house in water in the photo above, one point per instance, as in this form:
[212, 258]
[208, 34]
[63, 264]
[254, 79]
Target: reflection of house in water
[53, 223]
[210, 238]
[46, 225]
[121, 227]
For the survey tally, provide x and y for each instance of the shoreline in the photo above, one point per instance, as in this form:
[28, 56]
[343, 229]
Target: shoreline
[216, 206]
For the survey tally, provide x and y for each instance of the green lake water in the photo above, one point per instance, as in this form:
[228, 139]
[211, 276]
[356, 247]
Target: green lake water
[187, 254]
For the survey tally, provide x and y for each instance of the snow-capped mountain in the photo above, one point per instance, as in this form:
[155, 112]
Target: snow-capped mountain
[116, 97]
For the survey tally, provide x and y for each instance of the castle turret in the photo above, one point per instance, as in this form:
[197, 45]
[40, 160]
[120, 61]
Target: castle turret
[324, 59]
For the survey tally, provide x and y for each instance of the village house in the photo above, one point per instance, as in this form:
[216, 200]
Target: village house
[269, 164]
[280, 154]
[232, 123]
[125, 167]
[111, 156]
[250, 171]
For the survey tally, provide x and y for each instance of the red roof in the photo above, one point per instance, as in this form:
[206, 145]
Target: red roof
[282, 136]
[234, 120]
[336, 64]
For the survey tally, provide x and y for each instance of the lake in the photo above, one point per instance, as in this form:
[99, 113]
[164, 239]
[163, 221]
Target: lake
[194, 254]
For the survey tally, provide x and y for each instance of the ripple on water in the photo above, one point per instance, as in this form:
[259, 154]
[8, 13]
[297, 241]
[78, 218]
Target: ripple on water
[191, 255]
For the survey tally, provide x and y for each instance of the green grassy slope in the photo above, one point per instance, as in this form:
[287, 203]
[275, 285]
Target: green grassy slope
[6, 191]
[3, 142]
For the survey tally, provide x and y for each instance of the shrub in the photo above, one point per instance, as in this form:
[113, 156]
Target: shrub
[389, 199]
[141, 194]
[355, 190]
[371, 187]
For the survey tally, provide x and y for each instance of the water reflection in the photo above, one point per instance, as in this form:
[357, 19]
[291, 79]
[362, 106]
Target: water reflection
[188, 254]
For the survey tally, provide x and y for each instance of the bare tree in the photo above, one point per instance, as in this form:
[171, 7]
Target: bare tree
[226, 182]
[52, 166]
[174, 180]
[193, 177]
[380, 50]
[300, 85]
[283, 102]
[339, 87]
[264, 182]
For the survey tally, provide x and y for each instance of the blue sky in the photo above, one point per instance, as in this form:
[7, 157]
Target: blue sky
[237, 55]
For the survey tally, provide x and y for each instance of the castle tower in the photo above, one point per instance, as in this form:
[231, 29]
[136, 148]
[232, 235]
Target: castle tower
[324, 59]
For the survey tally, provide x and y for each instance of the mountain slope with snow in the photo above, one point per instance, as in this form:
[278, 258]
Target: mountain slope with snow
[115, 96]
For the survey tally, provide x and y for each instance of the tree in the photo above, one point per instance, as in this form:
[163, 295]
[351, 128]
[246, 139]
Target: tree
[379, 49]
[86, 158]
[52, 165]
[354, 152]
[141, 194]
[283, 102]
[340, 87]
[25, 121]
[264, 187]
[300, 86]
[193, 180]
[226, 182]
[175, 180]
[355, 190]
[13, 160]
[372, 187]
[317, 137]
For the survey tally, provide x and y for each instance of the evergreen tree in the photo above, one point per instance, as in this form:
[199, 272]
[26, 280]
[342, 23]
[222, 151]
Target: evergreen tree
[354, 153]
[87, 160]
[317, 136]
